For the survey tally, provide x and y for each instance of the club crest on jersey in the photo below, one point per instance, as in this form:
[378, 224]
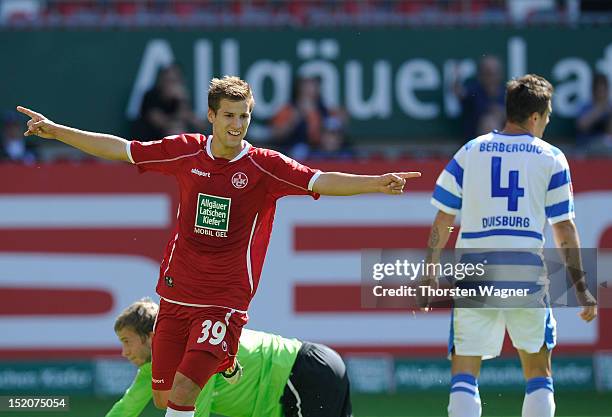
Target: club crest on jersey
[169, 281]
[240, 180]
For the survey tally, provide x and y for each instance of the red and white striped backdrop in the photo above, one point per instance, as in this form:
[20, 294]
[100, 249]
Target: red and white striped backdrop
[80, 242]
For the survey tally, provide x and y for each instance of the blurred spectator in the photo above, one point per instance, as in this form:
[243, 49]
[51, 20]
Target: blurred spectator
[521, 10]
[297, 127]
[594, 123]
[282, 13]
[166, 108]
[489, 122]
[482, 99]
[14, 146]
[16, 10]
[333, 143]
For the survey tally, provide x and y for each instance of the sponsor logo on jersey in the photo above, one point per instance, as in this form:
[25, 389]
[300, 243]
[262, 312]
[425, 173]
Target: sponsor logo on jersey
[157, 381]
[200, 173]
[240, 180]
[212, 213]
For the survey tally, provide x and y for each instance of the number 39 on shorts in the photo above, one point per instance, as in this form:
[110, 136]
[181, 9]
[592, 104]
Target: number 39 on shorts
[214, 333]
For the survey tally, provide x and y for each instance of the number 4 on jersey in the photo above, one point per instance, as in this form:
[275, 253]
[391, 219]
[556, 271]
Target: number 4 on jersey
[512, 192]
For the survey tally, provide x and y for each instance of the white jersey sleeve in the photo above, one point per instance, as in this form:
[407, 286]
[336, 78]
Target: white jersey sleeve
[559, 195]
[448, 193]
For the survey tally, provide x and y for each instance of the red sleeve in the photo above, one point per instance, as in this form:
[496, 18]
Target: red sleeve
[287, 176]
[164, 155]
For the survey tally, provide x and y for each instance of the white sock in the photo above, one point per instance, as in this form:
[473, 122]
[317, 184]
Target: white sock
[175, 413]
[464, 397]
[539, 398]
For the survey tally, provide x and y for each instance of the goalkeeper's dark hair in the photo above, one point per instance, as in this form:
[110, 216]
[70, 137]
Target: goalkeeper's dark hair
[229, 88]
[139, 317]
[527, 95]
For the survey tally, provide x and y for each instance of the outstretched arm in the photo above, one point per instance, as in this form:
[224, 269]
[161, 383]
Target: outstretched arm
[97, 144]
[568, 242]
[136, 397]
[341, 184]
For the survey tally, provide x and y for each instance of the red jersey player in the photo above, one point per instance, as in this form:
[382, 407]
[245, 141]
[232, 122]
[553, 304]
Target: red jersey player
[212, 265]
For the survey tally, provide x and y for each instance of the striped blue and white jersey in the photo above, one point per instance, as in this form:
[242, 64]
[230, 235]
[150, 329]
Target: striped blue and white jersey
[505, 187]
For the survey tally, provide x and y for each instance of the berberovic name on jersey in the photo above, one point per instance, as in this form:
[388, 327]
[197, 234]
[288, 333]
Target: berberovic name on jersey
[491, 146]
[506, 221]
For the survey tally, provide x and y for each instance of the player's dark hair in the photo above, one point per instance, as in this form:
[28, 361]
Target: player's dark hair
[139, 317]
[527, 95]
[229, 88]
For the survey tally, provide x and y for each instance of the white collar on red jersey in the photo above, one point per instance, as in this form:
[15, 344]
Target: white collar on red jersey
[242, 153]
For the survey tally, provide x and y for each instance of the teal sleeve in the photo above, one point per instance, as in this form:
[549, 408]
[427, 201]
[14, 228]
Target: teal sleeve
[204, 401]
[136, 397]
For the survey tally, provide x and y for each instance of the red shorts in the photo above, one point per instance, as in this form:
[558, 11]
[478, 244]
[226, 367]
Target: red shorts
[180, 329]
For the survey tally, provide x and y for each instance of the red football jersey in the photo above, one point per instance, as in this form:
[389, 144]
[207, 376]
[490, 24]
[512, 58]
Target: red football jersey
[225, 216]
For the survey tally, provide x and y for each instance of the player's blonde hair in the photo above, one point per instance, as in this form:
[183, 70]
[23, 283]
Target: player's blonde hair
[229, 88]
[527, 95]
[139, 317]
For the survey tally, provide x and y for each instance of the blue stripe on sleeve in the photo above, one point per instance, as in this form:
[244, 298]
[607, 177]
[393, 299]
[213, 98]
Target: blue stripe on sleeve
[559, 209]
[456, 171]
[559, 179]
[447, 198]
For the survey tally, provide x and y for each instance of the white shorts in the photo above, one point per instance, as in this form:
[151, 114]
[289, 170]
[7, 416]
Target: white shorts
[481, 331]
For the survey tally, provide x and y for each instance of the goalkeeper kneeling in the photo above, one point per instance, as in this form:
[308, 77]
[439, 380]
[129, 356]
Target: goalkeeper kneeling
[272, 376]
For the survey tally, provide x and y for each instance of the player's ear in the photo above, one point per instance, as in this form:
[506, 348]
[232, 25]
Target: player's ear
[211, 115]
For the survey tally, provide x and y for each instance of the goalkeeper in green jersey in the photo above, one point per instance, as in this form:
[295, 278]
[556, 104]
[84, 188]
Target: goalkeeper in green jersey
[280, 377]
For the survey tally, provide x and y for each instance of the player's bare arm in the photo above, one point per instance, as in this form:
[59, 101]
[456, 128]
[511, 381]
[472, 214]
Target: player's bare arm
[568, 242]
[341, 184]
[438, 238]
[96, 144]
